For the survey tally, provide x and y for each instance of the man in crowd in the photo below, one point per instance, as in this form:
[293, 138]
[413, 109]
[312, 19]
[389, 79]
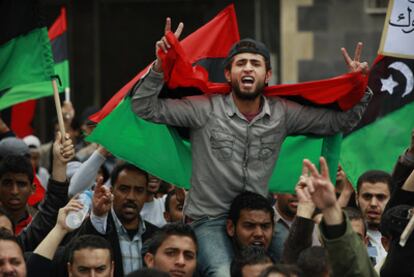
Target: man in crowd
[250, 262]
[91, 255]
[373, 193]
[250, 222]
[119, 221]
[235, 138]
[173, 249]
[173, 207]
[11, 255]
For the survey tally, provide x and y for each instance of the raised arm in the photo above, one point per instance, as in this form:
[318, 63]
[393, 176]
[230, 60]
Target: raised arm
[55, 198]
[300, 233]
[347, 254]
[186, 112]
[320, 121]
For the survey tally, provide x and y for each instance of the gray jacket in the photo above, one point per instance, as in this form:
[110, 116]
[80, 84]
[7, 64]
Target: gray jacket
[230, 154]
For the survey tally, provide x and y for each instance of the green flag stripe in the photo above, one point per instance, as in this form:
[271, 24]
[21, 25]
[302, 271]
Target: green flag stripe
[36, 90]
[26, 59]
[154, 148]
[378, 145]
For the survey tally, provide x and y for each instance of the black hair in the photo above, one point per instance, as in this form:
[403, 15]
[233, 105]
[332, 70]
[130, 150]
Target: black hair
[248, 45]
[313, 262]
[17, 164]
[148, 272]
[288, 270]
[88, 242]
[125, 166]
[171, 229]
[9, 236]
[4, 212]
[375, 176]
[355, 214]
[249, 201]
[170, 194]
[250, 255]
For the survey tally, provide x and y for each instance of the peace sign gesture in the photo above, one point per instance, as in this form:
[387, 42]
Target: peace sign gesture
[355, 65]
[163, 43]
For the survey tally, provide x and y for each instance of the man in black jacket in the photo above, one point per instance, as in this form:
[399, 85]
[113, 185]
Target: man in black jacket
[116, 217]
[55, 198]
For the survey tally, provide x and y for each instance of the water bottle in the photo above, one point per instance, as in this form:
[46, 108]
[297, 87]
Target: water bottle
[74, 219]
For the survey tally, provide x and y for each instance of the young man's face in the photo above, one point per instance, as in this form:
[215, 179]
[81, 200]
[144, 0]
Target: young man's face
[175, 213]
[372, 199]
[254, 227]
[15, 189]
[129, 193]
[177, 256]
[248, 75]
[11, 259]
[287, 205]
[91, 262]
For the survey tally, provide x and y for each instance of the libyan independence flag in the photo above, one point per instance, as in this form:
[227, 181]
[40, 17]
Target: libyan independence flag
[26, 59]
[193, 64]
[19, 116]
[385, 130]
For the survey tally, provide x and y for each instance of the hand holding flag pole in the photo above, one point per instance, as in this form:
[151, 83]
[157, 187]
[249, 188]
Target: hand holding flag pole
[58, 107]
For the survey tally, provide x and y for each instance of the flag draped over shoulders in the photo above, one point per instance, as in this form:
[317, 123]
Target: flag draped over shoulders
[160, 150]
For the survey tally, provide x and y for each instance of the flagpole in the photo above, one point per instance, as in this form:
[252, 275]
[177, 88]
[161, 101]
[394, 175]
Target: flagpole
[58, 109]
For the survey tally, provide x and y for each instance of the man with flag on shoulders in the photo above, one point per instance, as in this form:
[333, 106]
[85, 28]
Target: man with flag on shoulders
[235, 138]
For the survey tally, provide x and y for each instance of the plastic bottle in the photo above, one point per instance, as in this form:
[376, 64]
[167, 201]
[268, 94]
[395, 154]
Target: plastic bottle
[75, 219]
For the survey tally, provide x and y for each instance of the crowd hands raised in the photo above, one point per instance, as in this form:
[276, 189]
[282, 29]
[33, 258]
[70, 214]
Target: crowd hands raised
[135, 225]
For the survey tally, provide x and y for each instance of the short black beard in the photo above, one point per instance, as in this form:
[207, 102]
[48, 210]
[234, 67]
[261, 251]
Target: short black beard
[247, 96]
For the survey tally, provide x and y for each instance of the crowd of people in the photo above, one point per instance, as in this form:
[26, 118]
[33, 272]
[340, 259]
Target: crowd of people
[228, 223]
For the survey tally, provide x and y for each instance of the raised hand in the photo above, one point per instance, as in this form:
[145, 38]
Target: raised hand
[63, 152]
[306, 207]
[102, 199]
[163, 43]
[355, 65]
[72, 205]
[320, 187]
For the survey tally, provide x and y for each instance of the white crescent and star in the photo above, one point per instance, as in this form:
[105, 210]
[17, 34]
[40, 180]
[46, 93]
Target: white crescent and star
[389, 84]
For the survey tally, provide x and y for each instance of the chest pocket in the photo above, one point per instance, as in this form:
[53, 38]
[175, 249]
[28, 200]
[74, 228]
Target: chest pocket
[268, 147]
[222, 145]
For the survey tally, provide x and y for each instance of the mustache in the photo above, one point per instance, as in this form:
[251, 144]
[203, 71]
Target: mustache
[130, 204]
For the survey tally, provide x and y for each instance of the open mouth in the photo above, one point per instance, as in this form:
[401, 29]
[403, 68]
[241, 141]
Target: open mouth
[257, 243]
[247, 81]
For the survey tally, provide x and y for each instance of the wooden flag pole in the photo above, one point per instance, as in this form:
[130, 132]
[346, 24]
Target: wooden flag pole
[58, 109]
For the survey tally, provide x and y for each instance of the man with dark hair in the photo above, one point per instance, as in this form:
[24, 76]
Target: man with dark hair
[250, 221]
[235, 138]
[90, 255]
[173, 207]
[117, 218]
[16, 186]
[251, 261]
[313, 262]
[373, 193]
[358, 223]
[11, 255]
[281, 270]
[173, 249]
